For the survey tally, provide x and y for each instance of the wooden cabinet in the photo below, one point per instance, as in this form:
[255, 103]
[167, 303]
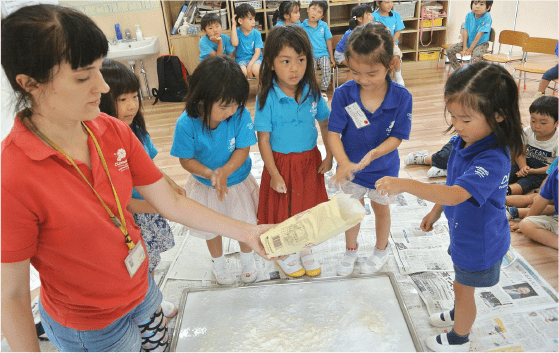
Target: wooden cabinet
[337, 18]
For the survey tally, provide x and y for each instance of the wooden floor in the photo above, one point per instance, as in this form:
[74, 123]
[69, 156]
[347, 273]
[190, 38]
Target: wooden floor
[428, 125]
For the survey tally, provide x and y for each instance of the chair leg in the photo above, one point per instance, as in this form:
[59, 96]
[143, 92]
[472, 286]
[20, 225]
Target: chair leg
[439, 60]
[525, 81]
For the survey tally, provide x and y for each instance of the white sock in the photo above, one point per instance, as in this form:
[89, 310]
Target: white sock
[219, 262]
[247, 261]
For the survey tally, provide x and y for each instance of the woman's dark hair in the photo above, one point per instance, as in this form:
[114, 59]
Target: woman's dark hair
[373, 40]
[215, 78]
[285, 8]
[490, 90]
[546, 105]
[358, 11]
[122, 80]
[243, 10]
[488, 5]
[37, 38]
[295, 37]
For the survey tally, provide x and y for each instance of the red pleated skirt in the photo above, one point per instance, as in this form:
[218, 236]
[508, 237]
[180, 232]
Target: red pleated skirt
[305, 187]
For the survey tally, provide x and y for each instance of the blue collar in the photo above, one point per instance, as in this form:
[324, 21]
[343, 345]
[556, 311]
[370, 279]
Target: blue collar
[387, 103]
[480, 146]
[281, 95]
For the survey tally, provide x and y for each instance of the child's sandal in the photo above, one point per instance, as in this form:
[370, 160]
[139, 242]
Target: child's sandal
[313, 268]
[294, 270]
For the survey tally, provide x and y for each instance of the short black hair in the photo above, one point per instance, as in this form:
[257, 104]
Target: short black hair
[322, 4]
[546, 105]
[209, 19]
[243, 10]
[488, 4]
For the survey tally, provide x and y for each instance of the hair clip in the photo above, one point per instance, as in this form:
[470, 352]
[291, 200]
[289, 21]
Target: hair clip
[355, 18]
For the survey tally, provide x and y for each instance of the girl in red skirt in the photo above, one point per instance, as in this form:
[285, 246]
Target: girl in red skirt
[287, 105]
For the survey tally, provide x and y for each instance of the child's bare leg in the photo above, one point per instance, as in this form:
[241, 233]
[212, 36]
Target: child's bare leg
[382, 224]
[539, 234]
[520, 200]
[428, 160]
[215, 246]
[347, 264]
[256, 71]
[244, 69]
[465, 308]
[352, 233]
[515, 189]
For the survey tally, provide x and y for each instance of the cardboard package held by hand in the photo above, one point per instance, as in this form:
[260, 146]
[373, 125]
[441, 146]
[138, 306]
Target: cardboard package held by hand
[313, 226]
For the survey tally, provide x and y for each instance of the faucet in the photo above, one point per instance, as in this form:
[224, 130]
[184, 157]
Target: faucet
[127, 36]
[112, 42]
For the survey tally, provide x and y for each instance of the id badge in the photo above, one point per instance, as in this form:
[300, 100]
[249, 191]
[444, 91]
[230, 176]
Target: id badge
[357, 115]
[135, 259]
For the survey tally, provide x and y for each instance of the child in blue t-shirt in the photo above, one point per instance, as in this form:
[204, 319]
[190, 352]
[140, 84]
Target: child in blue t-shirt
[371, 115]
[360, 15]
[321, 41]
[214, 42]
[482, 100]
[393, 21]
[288, 105]
[475, 34]
[123, 102]
[287, 13]
[248, 41]
[212, 141]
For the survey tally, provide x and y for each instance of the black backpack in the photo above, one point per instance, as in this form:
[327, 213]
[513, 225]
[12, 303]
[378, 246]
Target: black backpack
[172, 79]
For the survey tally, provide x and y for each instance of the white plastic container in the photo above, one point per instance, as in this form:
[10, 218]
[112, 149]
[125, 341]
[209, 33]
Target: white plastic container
[139, 35]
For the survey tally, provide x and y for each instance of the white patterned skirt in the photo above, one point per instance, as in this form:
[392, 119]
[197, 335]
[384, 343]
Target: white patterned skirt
[157, 235]
[240, 203]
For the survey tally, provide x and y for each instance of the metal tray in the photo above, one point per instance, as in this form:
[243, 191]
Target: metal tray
[358, 313]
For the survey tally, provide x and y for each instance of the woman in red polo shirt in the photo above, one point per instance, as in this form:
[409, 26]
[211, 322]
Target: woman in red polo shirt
[67, 176]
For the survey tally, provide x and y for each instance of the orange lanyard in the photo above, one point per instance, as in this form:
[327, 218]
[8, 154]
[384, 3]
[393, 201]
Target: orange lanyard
[118, 223]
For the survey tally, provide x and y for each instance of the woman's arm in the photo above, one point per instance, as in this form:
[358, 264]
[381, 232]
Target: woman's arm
[192, 214]
[17, 319]
[439, 194]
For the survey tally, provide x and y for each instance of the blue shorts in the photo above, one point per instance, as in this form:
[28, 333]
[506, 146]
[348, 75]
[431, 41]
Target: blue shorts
[245, 62]
[485, 278]
[123, 335]
[550, 74]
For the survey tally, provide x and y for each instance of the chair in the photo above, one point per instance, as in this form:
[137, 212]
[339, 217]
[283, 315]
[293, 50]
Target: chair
[534, 45]
[446, 46]
[512, 38]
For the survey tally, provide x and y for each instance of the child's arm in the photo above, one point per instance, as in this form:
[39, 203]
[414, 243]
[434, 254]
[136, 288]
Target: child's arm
[396, 36]
[330, 52]
[234, 36]
[522, 165]
[389, 145]
[326, 164]
[439, 194]
[464, 41]
[431, 218]
[277, 183]
[219, 51]
[474, 43]
[345, 167]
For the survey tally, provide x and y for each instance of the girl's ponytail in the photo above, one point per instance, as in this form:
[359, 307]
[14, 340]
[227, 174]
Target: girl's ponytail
[275, 17]
[353, 23]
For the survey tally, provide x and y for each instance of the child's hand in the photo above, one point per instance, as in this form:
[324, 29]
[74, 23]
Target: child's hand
[249, 72]
[216, 39]
[278, 184]
[332, 62]
[524, 171]
[367, 159]
[429, 220]
[325, 166]
[468, 52]
[344, 174]
[219, 182]
[388, 186]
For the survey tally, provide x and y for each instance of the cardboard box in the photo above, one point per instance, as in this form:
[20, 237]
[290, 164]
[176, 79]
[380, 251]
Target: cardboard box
[437, 23]
[431, 55]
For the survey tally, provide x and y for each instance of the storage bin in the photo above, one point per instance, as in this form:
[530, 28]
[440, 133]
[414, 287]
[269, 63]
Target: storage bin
[406, 9]
[430, 55]
[428, 23]
[221, 13]
[256, 4]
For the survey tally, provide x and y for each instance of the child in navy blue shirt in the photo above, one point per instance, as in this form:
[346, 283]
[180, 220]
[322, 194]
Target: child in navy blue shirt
[321, 41]
[482, 100]
[475, 34]
[123, 102]
[393, 21]
[287, 108]
[248, 41]
[371, 115]
[214, 42]
[212, 141]
[287, 13]
[360, 15]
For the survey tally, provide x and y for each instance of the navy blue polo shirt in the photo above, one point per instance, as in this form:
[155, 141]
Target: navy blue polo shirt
[391, 119]
[479, 229]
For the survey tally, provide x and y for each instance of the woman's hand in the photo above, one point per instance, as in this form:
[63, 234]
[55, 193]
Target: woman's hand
[253, 240]
[278, 184]
[344, 173]
[429, 220]
[389, 186]
[219, 182]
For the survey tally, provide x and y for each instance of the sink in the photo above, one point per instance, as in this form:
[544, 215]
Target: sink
[133, 50]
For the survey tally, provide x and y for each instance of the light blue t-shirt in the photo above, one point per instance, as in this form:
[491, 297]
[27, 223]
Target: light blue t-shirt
[207, 46]
[391, 119]
[152, 152]
[479, 229]
[318, 37]
[193, 140]
[549, 190]
[340, 47]
[247, 45]
[280, 23]
[291, 125]
[475, 25]
[393, 21]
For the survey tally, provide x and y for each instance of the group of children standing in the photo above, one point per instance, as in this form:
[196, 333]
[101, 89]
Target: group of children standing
[369, 118]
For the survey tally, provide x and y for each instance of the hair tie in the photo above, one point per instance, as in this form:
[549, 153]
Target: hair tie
[355, 18]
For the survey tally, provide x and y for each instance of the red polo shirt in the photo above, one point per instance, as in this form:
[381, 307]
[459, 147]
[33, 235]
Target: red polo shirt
[50, 215]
